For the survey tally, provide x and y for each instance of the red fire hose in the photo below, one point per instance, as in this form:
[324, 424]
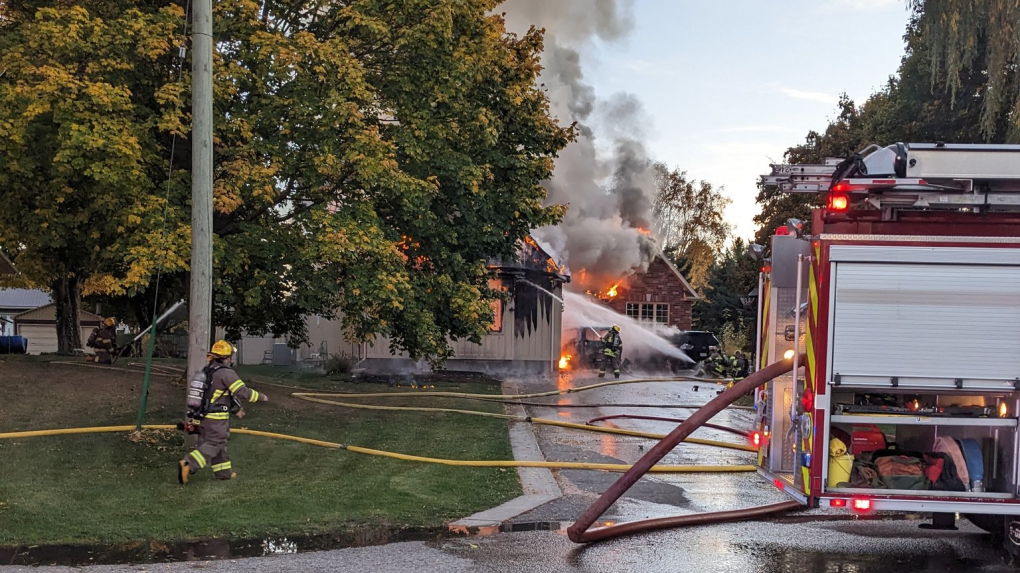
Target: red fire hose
[579, 533]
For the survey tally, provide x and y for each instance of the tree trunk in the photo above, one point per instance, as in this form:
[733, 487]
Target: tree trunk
[67, 298]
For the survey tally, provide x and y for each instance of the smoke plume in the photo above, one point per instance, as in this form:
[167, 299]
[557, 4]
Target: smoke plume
[605, 230]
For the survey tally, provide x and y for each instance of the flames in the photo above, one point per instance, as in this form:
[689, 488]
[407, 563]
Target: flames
[550, 264]
[606, 294]
[565, 361]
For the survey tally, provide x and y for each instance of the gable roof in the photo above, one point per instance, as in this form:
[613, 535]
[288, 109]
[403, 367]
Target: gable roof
[23, 298]
[49, 312]
[693, 294]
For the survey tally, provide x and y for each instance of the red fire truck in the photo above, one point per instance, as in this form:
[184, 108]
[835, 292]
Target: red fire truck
[905, 302]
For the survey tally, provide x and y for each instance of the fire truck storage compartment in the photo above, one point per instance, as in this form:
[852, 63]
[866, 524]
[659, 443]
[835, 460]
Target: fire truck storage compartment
[939, 324]
[959, 416]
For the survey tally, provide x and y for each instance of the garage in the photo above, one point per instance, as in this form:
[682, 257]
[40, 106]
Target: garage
[39, 326]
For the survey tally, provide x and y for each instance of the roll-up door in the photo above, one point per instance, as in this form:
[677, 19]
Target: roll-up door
[944, 321]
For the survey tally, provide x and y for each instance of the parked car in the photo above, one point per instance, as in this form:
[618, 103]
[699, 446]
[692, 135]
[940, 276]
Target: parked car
[587, 346]
[696, 344]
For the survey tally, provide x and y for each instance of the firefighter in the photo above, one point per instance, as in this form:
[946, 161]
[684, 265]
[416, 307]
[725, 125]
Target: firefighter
[103, 339]
[612, 350]
[741, 364]
[213, 422]
[718, 363]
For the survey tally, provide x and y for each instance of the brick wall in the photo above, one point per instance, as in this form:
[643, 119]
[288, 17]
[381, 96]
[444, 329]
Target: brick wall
[658, 284]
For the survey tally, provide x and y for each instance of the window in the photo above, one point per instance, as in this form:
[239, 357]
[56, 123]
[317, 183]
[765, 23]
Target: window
[654, 314]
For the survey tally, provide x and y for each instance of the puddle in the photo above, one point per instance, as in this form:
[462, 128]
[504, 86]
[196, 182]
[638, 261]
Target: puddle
[209, 549]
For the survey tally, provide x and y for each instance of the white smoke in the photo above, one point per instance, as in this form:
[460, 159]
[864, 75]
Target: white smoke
[609, 198]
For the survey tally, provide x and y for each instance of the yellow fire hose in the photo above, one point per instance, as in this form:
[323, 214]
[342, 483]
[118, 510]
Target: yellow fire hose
[315, 397]
[371, 452]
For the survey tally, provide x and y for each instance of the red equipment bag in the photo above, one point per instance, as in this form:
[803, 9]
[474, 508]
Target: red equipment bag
[868, 440]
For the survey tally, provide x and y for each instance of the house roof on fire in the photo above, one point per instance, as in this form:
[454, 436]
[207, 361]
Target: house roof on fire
[533, 256]
[693, 294]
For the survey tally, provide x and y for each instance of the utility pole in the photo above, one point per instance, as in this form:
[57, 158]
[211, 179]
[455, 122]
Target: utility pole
[200, 303]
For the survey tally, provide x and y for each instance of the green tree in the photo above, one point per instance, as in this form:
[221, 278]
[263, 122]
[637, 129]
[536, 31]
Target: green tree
[964, 37]
[75, 130]
[689, 222]
[370, 159]
[732, 278]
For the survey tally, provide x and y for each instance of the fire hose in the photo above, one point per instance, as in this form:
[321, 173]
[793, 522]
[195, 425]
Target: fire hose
[579, 532]
[394, 455]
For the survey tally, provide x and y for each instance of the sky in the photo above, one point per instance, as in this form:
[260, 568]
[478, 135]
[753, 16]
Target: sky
[728, 85]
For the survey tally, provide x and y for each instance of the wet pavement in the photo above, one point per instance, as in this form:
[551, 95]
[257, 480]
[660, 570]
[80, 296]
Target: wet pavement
[656, 495]
[815, 540]
[856, 546]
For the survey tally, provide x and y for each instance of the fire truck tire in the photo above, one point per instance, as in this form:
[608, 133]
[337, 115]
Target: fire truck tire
[995, 524]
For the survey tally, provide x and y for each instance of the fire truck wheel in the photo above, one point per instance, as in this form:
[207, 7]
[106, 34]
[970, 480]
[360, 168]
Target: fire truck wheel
[995, 524]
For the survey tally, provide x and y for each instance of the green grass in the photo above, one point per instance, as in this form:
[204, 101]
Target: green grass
[107, 488]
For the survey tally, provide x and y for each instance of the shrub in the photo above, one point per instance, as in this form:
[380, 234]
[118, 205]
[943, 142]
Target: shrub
[340, 363]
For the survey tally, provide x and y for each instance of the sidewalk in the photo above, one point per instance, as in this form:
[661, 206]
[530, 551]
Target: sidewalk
[539, 485]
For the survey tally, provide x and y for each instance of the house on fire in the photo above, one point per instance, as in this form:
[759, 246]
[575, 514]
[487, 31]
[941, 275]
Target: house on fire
[660, 297]
[525, 337]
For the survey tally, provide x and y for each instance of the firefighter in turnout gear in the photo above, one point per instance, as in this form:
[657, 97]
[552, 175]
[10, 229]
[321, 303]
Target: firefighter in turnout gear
[718, 363]
[612, 350]
[210, 413]
[103, 339]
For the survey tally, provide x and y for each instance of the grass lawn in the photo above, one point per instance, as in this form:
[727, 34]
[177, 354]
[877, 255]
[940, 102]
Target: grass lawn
[102, 488]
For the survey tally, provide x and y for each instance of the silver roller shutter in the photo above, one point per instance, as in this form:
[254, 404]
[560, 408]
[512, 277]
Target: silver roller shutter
[926, 321]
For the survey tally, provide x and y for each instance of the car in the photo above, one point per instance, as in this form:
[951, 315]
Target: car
[696, 344]
[588, 346]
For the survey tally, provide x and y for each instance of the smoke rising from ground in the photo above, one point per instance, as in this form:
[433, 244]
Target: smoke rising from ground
[610, 196]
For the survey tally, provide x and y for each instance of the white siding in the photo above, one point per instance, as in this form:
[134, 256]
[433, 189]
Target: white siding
[926, 320]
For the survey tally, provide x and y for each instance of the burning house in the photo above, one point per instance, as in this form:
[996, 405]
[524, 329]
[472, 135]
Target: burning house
[659, 298]
[524, 339]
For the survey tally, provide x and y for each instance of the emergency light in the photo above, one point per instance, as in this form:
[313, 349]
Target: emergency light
[862, 504]
[838, 202]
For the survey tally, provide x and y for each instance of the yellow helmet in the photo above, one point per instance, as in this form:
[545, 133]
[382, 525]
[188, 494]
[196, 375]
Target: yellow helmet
[110, 321]
[616, 327]
[222, 349]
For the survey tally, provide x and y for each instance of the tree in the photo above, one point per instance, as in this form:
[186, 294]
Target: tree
[370, 159]
[689, 222]
[963, 37]
[74, 137]
[732, 277]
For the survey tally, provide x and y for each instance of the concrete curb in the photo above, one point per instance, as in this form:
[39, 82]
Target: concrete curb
[539, 485]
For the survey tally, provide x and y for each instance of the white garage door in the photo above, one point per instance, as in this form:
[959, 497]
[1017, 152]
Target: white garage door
[43, 337]
[926, 321]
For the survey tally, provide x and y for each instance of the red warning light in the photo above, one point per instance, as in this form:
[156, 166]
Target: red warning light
[837, 503]
[784, 230]
[862, 504]
[778, 483]
[756, 439]
[838, 202]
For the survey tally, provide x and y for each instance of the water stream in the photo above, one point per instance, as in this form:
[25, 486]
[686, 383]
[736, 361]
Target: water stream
[638, 341]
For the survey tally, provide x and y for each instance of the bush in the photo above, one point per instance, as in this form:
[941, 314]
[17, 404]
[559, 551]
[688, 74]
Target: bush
[733, 338]
[340, 363]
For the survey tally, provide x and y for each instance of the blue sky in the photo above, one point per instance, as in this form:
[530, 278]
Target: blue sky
[728, 84]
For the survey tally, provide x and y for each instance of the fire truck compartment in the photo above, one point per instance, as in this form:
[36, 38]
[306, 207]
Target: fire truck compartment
[911, 423]
[924, 343]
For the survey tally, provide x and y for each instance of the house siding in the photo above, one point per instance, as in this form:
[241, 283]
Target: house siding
[659, 284]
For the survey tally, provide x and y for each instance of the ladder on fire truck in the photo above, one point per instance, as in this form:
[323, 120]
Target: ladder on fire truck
[978, 178]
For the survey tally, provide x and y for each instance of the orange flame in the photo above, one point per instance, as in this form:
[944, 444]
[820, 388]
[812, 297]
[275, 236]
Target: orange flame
[565, 361]
[644, 231]
[611, 291]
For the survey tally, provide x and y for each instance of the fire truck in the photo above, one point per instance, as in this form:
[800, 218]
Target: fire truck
[901, 309]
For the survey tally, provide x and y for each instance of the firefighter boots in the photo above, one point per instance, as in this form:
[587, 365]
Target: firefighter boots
[183, 471]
